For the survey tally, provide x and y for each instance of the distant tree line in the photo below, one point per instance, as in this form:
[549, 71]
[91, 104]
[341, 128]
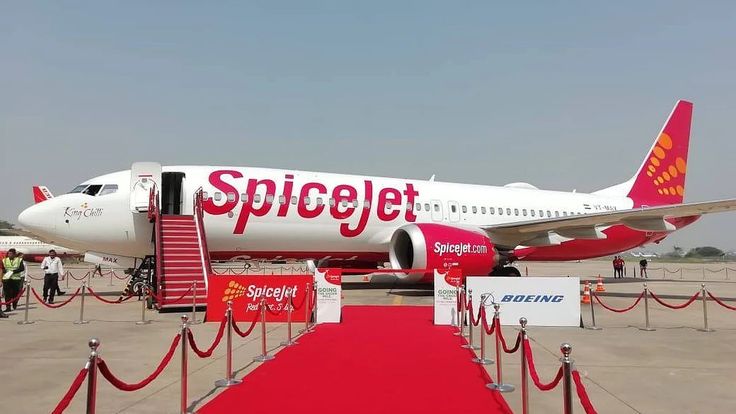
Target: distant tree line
[4, 227]
[709, 252]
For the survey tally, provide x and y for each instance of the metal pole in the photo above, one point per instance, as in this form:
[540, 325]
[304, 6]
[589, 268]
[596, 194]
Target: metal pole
[307, 308]
[461, 313]
[592, 315]
[646, 310]
[66, 276]
[228, 380]
[482, 359]
[290, 304]
[25, 320]
[193, 318]
[705, 310]
[264, 352]
[316, 303]
[93, 343]
[81, 320]
[111, 276]
[457, 312]
[498, 386]
[143, 320]
[184, 363]
[470, 344]
[566, 377]
[524, 368]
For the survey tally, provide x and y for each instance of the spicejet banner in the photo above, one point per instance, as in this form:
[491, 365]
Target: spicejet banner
[445, 296]
[329, 295]
[543, 301]
[246, 292]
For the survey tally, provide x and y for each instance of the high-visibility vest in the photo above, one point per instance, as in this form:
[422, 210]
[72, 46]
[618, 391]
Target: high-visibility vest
[13, 264]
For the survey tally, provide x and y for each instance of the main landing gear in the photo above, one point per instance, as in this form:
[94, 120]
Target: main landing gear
[505, 271]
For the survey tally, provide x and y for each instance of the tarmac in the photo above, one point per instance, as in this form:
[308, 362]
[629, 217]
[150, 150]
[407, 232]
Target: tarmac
[625, 369]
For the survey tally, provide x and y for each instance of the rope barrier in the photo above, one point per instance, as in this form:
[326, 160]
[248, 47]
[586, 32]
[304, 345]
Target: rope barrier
[484, 321]
[499, 332]
[671, 271]
[71, 275]
[55, 305]
[533, 370]
[250, 328]
[720, 302]
[101, 299]
[16, 298]
[716, 271]
[681, 306]
[473, 320]
[215, 342]
[582, 393]
[598, 299]
[268, 308]
[123, 386]
[71, 392]
[171, 302]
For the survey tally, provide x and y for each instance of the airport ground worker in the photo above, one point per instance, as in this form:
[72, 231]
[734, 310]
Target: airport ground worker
[643, 268]
[52, 268]
[13, 269]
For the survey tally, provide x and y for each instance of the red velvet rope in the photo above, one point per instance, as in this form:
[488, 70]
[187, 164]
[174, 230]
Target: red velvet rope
[304, 299]
[533, 370]
[473, 320]
[268, 308]
[667, 305]
[598, 299]
[582, 393]
[101, 299]
[215, 342]
[720, 302]
[55, 305]
[250, 328]
[170, 302]
[499, 332]
[484, 321]
[71, 392]
[71, 275]
[124, 386]
[17, 297]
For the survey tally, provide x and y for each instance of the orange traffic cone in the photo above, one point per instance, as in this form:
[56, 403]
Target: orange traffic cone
[599, 286]
[586, 294]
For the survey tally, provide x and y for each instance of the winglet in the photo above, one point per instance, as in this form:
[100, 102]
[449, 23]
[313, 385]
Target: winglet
[41, 193]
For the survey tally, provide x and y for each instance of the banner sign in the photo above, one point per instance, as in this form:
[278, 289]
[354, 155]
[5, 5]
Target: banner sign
[445, 296]
[246, 292]
[543, 301]
[329, 295]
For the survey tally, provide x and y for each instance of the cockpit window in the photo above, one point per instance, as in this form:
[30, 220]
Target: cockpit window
[108, 189]
[78, 189]
[92, 189]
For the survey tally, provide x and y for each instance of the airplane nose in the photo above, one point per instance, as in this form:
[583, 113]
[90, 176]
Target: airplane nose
[37, 219]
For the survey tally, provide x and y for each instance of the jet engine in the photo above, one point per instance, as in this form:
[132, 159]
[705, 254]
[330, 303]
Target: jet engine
[439, 246]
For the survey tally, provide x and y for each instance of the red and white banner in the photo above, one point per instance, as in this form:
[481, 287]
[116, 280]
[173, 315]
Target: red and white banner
[245, 292]
[445, 296]
[329, 295]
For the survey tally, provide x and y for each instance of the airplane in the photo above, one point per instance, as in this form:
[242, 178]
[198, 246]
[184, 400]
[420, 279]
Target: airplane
[353, 221]
[33, 250]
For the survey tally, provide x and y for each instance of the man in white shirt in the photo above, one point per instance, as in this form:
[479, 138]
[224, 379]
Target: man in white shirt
[52, 268]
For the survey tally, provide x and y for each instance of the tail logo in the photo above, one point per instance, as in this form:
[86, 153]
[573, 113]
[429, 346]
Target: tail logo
[667, 175]
[234, 290]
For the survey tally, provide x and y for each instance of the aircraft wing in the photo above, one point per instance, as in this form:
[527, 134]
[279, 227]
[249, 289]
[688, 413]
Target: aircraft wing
[552, 231]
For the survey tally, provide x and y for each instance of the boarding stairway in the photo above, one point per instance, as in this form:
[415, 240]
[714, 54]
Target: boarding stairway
[182, 257]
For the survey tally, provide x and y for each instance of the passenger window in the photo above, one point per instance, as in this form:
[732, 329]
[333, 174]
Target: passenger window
[294, 200]
[483, 210]
[493, 210]
[500, 211]
[355, 204]
[453, 208]
[230, 197]
[92, 189]
[419, 207]
[437, 207]
[282, 199]
[218, 196]
[475, 210]
[257, 198]
[541, 213]
[409, 206]
[205, 195]
[243, 198]
[533, 213]
[549, 213]
[269, 199]
[523, 212]
[108, 189]
[344, 203]
[564, 213]
[426, 206]
[332, 202]
[367, 204]
[557, 213]
[516, 211]
[319, 201]
[306, 201]
[465, 209]
[508, 211]
[388, 206]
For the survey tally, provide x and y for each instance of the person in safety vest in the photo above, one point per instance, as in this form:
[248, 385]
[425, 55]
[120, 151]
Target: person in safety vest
[13, 269]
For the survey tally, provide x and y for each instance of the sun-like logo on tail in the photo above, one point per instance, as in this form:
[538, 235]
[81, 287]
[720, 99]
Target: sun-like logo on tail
[667, 174]
[233, 290]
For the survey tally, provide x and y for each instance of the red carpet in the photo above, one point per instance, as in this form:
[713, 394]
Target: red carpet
[380, 359]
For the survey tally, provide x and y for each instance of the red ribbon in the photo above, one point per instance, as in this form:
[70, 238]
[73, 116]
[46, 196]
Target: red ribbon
[720, 302]
[533, 370]
[682, 306]
[171, 302]
[208, 352]
[55, 305]
[71, 392]
[250, 328]
[499, 332]
[582, 393]
[484, 319]
[123, 386]
[595, 295]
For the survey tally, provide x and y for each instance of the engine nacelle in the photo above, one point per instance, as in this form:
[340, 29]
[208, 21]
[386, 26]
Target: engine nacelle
[439, 246]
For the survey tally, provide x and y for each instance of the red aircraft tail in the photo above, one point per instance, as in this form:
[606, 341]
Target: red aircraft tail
[41, 193]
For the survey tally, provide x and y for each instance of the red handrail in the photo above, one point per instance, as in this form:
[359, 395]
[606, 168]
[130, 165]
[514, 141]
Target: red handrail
[199, 220]
[154, 215]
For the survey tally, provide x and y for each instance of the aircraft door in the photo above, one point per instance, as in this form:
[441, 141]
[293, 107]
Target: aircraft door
[172, 193]
[143, 177]
[436, 210]
[454, 211]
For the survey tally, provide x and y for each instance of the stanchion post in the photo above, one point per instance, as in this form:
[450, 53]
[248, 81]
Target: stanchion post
[66, 276]
[705, 310]
[93, 343]
[461, 313]
[457, 311]
[593, 327]
[307, 308]
[228, 380]
[470, 344]
[315, 310]
[566, 377]
[111, 273]
[264, 352]
[499, 385]
[289, 310]
[524, 369]
[184, 363]
[193, 320]
[143, 320]
[482, 358]
[646, 310]
[81, 320]
[25, 320]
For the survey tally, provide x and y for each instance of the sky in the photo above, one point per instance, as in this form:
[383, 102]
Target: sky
[563, 95]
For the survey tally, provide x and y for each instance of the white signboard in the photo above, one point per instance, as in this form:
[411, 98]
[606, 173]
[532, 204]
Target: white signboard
[329, 295]
[445, 297]
[543, 301]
